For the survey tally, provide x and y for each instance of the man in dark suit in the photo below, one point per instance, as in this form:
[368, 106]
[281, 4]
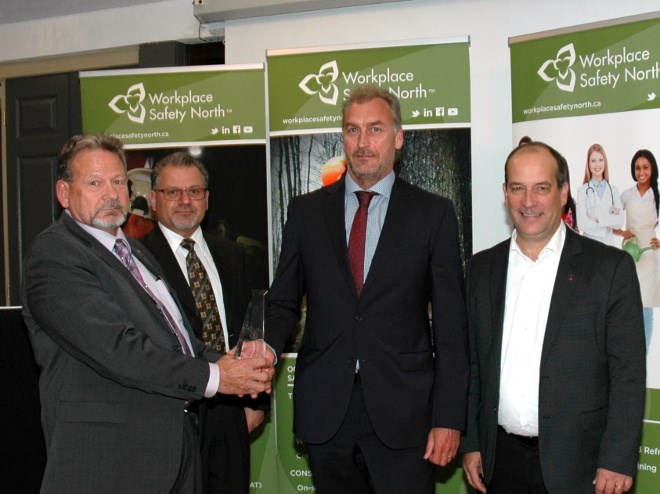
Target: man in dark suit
[557, 348]
[179, 198]
[120, 368]
[380, 391]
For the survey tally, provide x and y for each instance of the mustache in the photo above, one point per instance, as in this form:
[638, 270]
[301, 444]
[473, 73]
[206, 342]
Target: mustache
[111, 204]
[362, 153]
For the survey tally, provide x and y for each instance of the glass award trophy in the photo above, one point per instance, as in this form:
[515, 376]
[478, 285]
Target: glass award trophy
[251, 341]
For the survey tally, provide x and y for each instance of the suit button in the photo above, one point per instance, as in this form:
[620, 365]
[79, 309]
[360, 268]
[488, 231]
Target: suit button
[358, 317]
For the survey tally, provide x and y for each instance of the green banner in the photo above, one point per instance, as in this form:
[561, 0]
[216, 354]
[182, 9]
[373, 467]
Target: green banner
[594, 91]
[593, 71]
[293, 470]
[307, 89]
[263, 459]
[182, 106]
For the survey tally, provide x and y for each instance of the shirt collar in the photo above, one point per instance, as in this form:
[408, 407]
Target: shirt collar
[554, 245]
[383, 187]
[107, 239]
[174, 239]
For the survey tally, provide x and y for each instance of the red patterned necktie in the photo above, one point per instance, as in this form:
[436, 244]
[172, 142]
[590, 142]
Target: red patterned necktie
[357, 237]
[200, 285]
[122, 250]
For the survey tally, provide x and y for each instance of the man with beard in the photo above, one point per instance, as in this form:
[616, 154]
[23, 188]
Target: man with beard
[380, 391]
[120, 368]
[180, 198]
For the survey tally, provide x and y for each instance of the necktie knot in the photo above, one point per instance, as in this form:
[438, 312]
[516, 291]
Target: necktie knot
[188, 244]
[364, 197]
[120, 246]
[122, 250]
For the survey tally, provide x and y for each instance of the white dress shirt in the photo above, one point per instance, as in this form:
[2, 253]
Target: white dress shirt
[528, 294]
[204, 255]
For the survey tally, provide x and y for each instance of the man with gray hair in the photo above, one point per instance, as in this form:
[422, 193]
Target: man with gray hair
[381, 388]
[121, 370]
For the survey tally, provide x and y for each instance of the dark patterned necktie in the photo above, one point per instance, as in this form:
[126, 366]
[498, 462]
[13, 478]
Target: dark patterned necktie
[200, 285]
[124, 253]
[357, 238]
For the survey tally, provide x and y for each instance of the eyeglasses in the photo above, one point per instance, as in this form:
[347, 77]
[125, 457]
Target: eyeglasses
[194, 193]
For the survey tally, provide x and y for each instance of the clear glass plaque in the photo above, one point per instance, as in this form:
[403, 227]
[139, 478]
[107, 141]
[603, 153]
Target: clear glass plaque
[251, 341]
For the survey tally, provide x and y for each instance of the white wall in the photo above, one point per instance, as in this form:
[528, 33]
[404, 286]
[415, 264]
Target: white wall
[489, 23]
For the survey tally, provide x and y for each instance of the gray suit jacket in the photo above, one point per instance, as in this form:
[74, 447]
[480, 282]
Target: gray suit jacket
[593, 366]
[414, 373]
[112, 385]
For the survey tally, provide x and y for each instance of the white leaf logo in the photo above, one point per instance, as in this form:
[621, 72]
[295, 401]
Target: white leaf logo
[131, 103]
[323, 83]
[559, 69]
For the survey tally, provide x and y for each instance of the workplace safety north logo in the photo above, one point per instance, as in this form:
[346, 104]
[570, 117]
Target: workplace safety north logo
[131, 103]
[323, 83]
[559, 69]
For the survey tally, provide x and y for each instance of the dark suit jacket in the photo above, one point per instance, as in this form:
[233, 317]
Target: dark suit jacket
[414, 374]
[591, 394]
[236, 277]
[230, 259]
[112, 387]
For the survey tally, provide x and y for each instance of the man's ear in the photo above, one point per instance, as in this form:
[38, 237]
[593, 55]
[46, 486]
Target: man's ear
[62, 193]
[152, 200]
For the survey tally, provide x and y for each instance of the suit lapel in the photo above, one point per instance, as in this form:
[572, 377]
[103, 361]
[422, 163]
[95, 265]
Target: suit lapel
[172, 271]
[498, 276]
[100, 250]
[116, 265]
[333, 215]
[397, 212]
[563, 291]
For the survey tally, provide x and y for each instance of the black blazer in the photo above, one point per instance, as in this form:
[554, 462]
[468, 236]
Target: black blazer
[112, 387]
[230, 260]
[236, 277]
[414, 372]
[591, 394]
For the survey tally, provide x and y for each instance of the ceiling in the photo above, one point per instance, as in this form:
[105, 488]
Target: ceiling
[31, 10]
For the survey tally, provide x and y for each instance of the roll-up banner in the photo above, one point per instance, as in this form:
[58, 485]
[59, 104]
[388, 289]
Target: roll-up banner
[593, 93]
[306, 90]
[218, 114]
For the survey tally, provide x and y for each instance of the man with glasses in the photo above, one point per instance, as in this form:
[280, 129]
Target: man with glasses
[121, 369]
[180, 199]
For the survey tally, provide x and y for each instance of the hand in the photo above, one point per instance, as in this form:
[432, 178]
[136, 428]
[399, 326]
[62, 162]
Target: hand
[655, 243]
[254, 418]
[249, 376]
[608, 482]
[254, 348]
[474, 470]
[626, 234]
[442, 445]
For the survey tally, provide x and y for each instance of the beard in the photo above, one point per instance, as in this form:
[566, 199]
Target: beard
[109, 221]
[186, 222]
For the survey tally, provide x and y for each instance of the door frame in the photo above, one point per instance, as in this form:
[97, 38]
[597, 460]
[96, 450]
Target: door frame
[100, 59]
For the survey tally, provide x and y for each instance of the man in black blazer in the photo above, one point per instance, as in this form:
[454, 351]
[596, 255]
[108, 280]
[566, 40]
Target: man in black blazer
[557, 348]
[380, 390]
[226, 420]
[120, 367]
